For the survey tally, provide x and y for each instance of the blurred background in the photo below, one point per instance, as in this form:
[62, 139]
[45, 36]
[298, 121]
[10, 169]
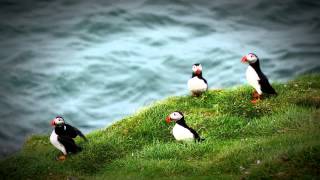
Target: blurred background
[95, 62]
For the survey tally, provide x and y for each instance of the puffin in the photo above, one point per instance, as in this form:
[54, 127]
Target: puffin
[181, 131]
[197, 84]
[256, 78]
[62, 137]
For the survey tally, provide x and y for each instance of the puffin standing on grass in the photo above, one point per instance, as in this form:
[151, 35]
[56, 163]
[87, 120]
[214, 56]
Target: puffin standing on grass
[181, 131]
[197, 84]
[256, 78]
[62, 137]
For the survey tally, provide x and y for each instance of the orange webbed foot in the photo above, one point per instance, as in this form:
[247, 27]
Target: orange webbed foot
[254, 101]
[61, 158]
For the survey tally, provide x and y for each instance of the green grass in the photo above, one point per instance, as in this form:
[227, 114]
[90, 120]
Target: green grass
[277, 138]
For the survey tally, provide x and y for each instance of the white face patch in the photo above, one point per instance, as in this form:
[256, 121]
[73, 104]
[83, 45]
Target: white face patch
[176, 116]
[195, 68]
[58, 121]
[251, 58]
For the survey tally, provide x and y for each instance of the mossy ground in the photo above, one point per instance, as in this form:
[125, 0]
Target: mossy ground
[276, 138]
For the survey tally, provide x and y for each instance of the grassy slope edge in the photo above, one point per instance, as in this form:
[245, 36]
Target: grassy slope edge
[276, 138]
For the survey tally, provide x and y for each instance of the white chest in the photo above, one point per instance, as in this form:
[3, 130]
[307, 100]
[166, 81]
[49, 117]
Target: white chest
[196, 84]
[54, 141]
[253, 79]
[53, 137]
[181, 133]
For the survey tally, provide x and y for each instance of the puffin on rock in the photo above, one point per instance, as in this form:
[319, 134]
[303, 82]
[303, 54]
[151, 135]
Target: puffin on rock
[197, 84]
[256, 78]
[181, 131]
[62, 137]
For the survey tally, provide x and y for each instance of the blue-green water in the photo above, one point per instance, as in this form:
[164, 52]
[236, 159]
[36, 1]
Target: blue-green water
[94, 62]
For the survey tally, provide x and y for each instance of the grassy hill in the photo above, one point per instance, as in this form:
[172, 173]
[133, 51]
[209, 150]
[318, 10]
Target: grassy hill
[276, 138]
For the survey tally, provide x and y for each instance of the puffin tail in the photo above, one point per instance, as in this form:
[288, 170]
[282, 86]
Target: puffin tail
[273, 93]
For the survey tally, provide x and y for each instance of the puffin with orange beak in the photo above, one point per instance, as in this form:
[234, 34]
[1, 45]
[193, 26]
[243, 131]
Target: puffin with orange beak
[62, 137]
[256, 78]
[181, 131]
[197, 84]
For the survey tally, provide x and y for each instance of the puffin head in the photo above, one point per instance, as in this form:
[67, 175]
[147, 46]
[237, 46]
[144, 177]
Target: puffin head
[175, 116]
[197, 69]
[58, 121]
[250, 58]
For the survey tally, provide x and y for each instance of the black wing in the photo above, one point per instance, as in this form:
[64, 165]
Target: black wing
[266, 87]
[205, 81]
[69, 144]
[74, 132]
[196, 135]
[80, 134]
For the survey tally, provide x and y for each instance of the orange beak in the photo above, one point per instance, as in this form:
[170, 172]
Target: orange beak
[53, 123]
[244, 59]
[168, 120]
